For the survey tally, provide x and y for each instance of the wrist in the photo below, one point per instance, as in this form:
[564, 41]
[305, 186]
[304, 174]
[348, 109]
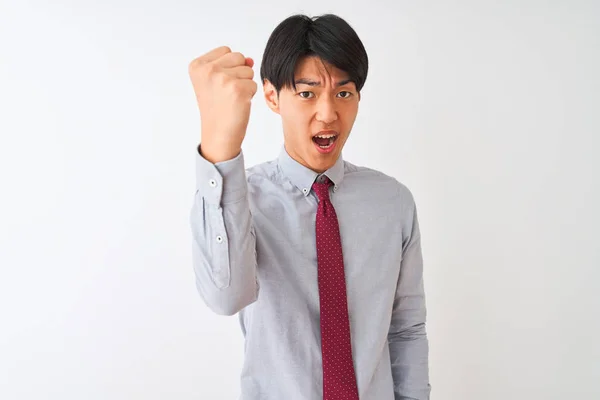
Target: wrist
[215, 154]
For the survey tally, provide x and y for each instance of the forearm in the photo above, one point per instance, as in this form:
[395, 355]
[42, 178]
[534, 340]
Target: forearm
[409, 354]
[223, 237]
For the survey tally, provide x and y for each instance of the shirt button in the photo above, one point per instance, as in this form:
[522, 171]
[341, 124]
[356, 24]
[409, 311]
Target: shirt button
[305, 190]
[335, 187]
[219, 239]
[212, 183]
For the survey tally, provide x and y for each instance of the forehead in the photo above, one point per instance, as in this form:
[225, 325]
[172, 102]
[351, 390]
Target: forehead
[314, 67]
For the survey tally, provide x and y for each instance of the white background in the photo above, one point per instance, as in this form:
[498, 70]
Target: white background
[488, 112]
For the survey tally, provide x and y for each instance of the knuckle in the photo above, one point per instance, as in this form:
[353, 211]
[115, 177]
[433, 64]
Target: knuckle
[193, 65]
[209, 69]
[238, 57]
[222, 79]
[237, 90]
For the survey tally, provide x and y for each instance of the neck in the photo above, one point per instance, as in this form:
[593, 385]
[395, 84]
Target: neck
[301, 161]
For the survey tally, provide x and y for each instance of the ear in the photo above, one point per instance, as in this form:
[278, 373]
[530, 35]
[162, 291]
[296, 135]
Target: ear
[271, 96]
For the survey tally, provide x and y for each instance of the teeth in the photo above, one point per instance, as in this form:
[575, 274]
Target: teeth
[325, 136]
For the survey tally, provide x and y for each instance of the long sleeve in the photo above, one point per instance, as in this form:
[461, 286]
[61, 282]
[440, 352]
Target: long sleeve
[223, 238]
[409, 346]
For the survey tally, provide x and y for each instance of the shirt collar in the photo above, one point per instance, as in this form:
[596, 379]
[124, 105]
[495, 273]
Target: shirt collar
[303, 177]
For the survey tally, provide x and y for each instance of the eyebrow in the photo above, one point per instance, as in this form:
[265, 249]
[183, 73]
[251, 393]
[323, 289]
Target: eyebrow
[304, 81]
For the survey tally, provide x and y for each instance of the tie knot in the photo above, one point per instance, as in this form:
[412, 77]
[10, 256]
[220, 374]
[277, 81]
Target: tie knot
[322, 189]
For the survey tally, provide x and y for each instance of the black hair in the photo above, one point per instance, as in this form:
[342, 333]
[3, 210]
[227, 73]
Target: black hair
[328, 37]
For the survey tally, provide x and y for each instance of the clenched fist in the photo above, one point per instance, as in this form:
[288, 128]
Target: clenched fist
[224, 88]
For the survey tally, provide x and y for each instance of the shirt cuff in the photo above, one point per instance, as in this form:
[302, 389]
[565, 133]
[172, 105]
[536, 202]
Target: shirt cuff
[222, 182]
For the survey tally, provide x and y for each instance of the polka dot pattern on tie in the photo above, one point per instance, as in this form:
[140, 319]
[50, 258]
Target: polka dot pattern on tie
[339, 379]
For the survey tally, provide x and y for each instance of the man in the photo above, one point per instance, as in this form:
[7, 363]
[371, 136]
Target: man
[321, 258]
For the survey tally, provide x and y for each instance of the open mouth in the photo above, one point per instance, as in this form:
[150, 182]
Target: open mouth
[324, 141]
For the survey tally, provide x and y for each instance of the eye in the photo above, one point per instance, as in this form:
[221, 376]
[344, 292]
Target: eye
[348, 94]
[305, 97]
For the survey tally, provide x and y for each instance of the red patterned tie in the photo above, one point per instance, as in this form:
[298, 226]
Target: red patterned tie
[339, 380]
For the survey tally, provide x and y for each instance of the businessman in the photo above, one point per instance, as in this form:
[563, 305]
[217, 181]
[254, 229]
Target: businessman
[319, 258]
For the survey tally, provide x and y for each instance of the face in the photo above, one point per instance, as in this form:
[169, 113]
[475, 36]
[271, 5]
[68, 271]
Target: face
[324, 100]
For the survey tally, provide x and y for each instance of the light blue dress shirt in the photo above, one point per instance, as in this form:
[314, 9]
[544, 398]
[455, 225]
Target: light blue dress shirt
[254, 254]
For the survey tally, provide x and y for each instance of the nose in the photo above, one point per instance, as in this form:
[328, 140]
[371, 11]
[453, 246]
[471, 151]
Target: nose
[326, 111]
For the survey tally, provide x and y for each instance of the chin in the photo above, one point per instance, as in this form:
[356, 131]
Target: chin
[322, 162]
